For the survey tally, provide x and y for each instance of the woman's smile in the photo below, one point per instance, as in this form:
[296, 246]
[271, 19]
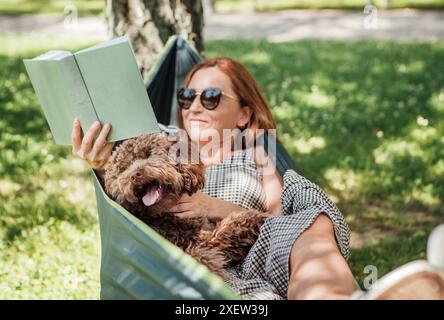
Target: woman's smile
[197, 120]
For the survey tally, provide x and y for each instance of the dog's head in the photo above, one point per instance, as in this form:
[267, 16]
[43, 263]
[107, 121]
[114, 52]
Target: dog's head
[152, 171]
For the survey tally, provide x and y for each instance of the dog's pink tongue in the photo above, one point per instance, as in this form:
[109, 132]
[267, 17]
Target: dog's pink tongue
[151, 196]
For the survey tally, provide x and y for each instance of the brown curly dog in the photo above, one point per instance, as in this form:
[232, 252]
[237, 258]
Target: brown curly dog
[145, 179]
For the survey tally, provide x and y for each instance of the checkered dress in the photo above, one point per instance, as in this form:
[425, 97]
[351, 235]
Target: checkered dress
[264, 274]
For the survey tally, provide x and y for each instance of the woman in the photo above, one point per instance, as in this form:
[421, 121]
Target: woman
[300, 253]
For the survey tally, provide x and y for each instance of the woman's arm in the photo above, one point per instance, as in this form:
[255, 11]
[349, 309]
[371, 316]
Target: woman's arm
[317, 268]
[272, 184]
[271, 181]
[201, 204]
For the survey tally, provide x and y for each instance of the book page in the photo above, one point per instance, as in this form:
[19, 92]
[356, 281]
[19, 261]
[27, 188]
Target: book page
[62, 94]
[116, 88]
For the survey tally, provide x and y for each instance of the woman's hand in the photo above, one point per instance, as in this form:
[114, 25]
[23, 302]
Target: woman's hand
[95, 153]
[200, 204]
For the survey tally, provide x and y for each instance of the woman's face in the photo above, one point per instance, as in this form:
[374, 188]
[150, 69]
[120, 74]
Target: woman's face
[201, 123]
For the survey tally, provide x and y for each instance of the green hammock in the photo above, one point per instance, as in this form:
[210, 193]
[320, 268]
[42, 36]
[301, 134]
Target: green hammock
[136, 262]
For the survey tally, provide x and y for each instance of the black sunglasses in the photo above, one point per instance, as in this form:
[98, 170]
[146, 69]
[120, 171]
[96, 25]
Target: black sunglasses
[209, 98]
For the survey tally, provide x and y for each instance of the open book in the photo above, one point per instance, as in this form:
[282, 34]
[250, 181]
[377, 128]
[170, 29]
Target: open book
[100, 83]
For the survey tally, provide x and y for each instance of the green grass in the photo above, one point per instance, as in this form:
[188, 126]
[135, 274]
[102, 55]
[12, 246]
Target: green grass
[49, 238]
[270, 5]
[364, 120]
[82, 7]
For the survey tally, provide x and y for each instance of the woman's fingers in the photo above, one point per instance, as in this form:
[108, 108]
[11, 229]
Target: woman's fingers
[186, 214]
[99, 144]
[76, 139]
[104, 155]
[107, 150]
[180, 208]
[185, 198]
[88, 140]
[95, 152]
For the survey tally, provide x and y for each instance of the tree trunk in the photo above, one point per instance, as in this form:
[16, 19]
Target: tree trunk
[149, 24]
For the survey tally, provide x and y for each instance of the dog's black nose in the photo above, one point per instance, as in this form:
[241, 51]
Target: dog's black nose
[137, 175]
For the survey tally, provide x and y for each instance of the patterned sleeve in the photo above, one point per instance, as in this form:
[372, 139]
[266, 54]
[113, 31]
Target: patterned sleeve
[302, 202]
[307, 200]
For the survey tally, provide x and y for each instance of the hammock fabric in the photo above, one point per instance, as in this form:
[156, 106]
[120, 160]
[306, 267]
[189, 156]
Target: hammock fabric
[136, 262]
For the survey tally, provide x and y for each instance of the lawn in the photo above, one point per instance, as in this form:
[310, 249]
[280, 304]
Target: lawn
[269, 5]
[81, 7]
[364, 120]
[95, 7]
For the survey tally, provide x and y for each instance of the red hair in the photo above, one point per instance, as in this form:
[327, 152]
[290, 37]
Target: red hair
[244, 86]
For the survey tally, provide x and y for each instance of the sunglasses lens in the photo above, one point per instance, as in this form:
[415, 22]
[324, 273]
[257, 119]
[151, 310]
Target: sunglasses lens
[185, 97]
[210, 98]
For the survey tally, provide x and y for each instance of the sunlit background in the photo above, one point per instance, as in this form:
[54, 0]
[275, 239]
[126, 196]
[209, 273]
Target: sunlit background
[361, 117]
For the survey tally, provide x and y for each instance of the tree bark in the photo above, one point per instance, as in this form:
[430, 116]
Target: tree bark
[149, 24]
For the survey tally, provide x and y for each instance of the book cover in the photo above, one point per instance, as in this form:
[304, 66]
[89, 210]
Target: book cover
[100, 83]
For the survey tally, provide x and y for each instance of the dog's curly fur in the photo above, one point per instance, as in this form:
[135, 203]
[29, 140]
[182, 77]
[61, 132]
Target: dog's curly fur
[143, 163]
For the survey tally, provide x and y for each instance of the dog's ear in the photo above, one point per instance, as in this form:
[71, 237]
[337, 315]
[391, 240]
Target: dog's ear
[113, 191]
[193, 176]
[186, 159]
